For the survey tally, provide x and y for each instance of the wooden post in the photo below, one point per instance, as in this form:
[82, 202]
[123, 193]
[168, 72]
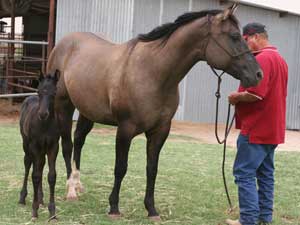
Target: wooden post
[51, 26]
[44, 59]
[11, 48]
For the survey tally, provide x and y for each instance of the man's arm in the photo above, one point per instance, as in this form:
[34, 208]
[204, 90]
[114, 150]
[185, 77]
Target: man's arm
[244, 96]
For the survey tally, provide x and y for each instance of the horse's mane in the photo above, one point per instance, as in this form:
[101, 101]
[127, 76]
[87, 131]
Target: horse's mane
[166, 30]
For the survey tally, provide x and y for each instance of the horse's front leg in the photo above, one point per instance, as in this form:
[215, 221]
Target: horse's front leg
[37, 172]
[125, 133]
[83, 127]
[52, 154]
[155, 140]
[41, 193]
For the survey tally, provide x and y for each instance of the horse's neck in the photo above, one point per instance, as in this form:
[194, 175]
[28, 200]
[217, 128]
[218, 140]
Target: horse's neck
[182, 51]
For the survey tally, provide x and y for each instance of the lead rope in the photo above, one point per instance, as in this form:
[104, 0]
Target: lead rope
[227, 130]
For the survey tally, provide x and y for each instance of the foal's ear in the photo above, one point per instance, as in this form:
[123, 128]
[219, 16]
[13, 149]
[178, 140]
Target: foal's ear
[228, 12]
[56, 75]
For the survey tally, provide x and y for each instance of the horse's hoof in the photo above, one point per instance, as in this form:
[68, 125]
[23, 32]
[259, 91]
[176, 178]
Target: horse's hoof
[33, 218]
[80, 189]
[155, 218]
[114, 216]
[71, 197]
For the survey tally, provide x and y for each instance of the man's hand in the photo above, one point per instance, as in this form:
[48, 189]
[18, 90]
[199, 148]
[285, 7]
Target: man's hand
[234, 98]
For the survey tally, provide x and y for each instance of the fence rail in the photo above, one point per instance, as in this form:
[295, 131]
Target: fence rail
[20, 65]
[17, 95]
[23, 42]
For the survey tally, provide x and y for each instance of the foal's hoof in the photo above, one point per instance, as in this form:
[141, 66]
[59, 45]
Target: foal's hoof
[155, 218]
[114, 216]
[52, 219]
[41, 203]
[33, 218]
[22, 202]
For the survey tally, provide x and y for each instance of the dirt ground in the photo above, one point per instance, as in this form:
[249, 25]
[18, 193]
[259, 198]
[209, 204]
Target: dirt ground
[206, 133]
[203, 133]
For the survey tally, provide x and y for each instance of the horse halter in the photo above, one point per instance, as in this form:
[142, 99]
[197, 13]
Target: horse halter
[210, 36]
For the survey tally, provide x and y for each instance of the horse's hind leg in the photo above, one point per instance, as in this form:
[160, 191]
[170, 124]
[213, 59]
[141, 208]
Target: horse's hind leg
[83, 127]
[155, 140]
[125, 133]
[64, 112]
[27, 165]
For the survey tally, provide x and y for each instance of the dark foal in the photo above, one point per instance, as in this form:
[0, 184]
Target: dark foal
[40, 136]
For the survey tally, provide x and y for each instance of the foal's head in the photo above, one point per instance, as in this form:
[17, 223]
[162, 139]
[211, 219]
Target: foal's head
[227, 50]
[46, 93]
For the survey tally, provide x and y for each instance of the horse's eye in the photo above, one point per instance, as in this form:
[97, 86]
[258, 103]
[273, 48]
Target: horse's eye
[235, 36]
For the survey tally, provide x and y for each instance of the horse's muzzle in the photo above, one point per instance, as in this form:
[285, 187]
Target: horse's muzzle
[43, 115]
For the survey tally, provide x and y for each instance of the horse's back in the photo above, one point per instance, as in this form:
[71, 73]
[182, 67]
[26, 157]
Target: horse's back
[29, 104]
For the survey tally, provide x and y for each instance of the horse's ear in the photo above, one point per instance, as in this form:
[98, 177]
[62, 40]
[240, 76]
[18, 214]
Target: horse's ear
[56, 75]
[228, 12]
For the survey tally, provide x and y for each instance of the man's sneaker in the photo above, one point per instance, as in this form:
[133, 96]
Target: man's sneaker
[233, 222]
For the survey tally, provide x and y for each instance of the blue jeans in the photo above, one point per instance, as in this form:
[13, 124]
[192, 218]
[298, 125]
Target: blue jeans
[254, 163]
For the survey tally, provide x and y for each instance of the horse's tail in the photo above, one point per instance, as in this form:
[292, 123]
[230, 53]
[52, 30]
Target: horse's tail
[60, 54]
[59, 58]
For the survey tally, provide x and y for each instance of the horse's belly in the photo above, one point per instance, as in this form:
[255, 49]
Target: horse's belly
[97, 113]
[91, 103]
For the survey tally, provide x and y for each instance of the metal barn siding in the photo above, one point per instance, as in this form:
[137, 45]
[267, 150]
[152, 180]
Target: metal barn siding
[121, 20]
[113, 18]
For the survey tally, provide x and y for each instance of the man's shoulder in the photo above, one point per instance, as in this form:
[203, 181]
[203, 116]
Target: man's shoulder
[269, 53]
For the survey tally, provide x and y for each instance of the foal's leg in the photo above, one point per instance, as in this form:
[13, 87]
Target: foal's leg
[83, 127]
[38, 166]
[155, 140]
[52, 154]
[64, 116]
[27, 165]
[125, 133]
[41, 193]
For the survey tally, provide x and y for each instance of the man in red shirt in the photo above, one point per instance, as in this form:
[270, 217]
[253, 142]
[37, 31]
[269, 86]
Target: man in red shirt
[260, 114]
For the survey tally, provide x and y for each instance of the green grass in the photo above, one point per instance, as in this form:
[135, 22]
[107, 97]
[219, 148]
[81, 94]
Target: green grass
[189, 188]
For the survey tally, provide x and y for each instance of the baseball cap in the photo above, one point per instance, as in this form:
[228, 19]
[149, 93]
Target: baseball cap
[253, 28]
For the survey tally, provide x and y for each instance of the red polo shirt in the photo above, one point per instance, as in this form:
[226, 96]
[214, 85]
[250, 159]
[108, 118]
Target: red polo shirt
[264, 120]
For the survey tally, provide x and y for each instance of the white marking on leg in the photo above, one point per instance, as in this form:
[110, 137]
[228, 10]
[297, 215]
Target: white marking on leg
[76, 178]
[71, 192]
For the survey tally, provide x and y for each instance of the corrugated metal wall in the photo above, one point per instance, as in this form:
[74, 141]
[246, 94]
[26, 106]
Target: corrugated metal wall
[113, 18]
[122, 20]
